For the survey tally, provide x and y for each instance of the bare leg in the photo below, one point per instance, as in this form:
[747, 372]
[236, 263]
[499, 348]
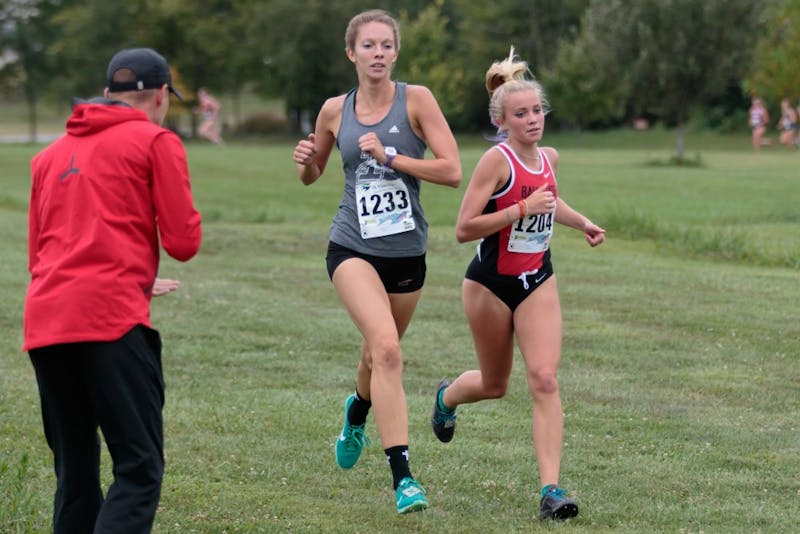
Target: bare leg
[492, 333]
[538, 326]
[381, 319]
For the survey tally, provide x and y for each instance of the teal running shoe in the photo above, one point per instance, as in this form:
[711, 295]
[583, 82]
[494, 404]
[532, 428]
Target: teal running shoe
[443, 422]
[556, 505]
[351, 440]
[410, 496]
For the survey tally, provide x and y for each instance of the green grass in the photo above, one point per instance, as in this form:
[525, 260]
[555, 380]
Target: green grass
[679, 374]
[52, 116]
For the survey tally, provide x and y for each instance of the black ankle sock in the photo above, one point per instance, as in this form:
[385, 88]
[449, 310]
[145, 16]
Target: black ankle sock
[357, 414]
[398, 461]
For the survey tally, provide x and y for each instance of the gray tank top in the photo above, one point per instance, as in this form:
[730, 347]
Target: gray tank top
[363, 171]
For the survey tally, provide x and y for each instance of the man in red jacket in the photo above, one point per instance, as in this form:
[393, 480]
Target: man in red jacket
[103, 197]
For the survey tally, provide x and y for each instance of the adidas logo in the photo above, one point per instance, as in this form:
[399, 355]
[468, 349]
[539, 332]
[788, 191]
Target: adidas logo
[394, 129]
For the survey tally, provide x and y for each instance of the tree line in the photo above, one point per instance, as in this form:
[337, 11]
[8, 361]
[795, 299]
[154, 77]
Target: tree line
[602, 62]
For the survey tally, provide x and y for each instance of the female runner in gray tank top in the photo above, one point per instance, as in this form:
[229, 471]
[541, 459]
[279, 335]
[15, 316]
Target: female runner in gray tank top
[377, 243]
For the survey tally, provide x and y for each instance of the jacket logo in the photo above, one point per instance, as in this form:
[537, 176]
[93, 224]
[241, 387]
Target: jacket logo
[72, 170]
[394, 129]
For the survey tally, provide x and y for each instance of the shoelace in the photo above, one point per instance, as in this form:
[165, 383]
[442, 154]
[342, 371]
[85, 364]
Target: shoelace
[356, 438]
[442, 417]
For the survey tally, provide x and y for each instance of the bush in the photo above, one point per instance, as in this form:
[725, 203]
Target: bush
[262, 124]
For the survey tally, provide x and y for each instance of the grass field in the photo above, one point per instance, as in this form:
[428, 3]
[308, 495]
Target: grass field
[679, 377]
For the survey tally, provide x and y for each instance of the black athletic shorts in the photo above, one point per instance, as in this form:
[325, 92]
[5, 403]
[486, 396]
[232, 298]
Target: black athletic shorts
[512, 290]
[399, 275]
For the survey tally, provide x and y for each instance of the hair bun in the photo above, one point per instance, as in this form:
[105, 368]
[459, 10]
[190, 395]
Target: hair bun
[505, 71]
[493, 82]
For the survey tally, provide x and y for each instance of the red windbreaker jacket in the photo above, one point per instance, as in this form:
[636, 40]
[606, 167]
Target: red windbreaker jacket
[101, 197]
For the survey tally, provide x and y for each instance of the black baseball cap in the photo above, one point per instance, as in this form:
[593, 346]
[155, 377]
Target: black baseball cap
[150, 68]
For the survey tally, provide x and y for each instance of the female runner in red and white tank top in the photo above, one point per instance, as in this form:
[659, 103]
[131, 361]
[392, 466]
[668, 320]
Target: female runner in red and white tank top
[509, 291]
[520, 250]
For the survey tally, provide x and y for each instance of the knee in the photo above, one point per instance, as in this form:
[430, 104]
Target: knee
[146, 473]
[543, 383]
[495, 390]
[366, 358]
[386, 356]
[139, 465]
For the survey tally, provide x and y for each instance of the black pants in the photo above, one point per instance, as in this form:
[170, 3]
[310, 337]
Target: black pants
[118, 386]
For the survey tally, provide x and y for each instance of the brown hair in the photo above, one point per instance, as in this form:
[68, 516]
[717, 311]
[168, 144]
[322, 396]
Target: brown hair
[373, 15]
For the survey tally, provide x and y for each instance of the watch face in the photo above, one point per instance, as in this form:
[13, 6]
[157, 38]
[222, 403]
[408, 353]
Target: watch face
[390, 151]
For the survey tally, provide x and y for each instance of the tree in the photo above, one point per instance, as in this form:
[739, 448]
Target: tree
[486, 31]
[203, 42]
[776, 66]
[90, 32]
[669, 56]
[303, 53]
[25, 36]
[424, 56]
[577, 96]
[209, 44]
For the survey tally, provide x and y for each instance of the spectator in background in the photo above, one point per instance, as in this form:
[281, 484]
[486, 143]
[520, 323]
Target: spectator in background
[103, 198]
[758, 120]
[788, 124]
[797, 131]
[209, 107]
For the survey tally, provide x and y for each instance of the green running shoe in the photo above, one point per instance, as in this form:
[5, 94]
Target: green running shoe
[351, 440]
[410, 496]
[556, 505]
[443, 423]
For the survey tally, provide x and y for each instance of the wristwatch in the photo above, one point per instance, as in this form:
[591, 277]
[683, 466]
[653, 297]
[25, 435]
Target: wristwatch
[390, 152]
